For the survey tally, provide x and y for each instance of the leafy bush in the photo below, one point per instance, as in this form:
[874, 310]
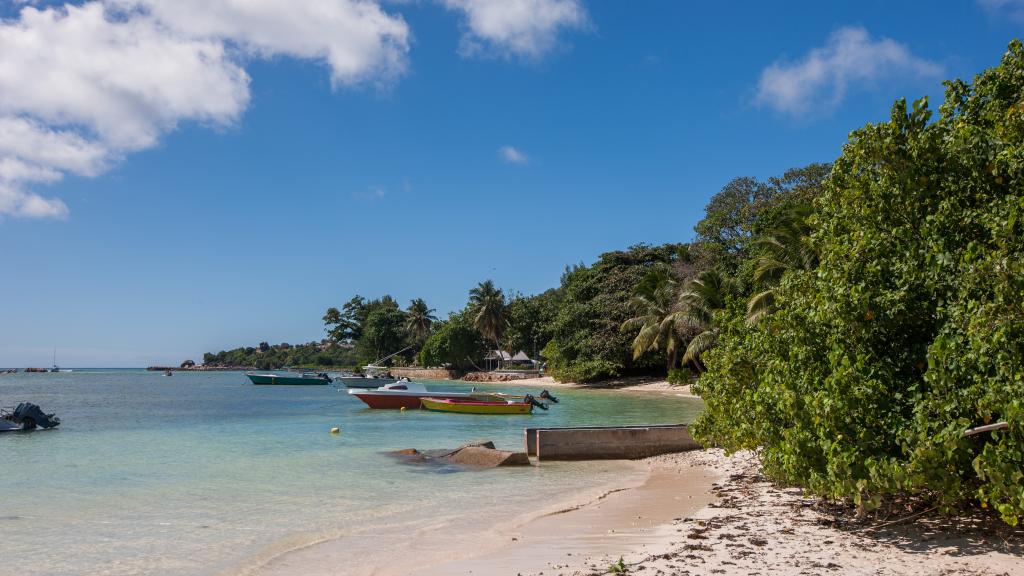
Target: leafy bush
[911, 329]
[455, 342]
[587, 343]
[680, 376]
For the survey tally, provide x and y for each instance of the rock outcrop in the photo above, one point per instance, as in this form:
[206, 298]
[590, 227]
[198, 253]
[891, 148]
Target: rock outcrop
[473, 455]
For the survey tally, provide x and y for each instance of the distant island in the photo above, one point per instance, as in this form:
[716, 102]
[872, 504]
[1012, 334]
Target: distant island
[264, 356]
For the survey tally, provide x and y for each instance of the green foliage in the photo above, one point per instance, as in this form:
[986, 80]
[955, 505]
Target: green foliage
[587, 343]
[531, 320]
[418, 320]
[383, 331]
[487, 305]
[656, 321]
[455, 342]
[909, 331]
[267, 357]
[680, 376]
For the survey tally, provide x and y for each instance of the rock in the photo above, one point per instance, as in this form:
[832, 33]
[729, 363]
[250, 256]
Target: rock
[487, 457]
[480, 454]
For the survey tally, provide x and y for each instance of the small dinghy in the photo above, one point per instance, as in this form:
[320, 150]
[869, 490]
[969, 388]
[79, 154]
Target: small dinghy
[26, 416]
[473, 406]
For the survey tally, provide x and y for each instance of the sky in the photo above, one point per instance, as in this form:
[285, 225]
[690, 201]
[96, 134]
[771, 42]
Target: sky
[182, 176]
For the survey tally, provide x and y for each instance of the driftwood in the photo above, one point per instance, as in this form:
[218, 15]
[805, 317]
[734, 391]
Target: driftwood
[987, 428]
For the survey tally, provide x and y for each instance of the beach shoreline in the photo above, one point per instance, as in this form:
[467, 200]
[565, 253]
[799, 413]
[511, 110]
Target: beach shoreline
[631, 384]
[698, 512]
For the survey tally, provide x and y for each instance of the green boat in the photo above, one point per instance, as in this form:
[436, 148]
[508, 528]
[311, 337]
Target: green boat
[307, 379]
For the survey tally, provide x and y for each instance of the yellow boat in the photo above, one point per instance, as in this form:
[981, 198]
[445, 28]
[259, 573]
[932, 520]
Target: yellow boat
[478, 406]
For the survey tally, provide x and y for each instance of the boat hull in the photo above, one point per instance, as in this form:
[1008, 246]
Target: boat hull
[274, 380]
[475, 407]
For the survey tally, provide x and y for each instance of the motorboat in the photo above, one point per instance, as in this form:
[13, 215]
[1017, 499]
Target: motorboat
[407, 394]
[524, 405]
[365, 381]
[305, 379]
[26, 416]
[373, 376]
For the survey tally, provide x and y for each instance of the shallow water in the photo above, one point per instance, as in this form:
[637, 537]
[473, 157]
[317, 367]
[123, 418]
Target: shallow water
[203, 473]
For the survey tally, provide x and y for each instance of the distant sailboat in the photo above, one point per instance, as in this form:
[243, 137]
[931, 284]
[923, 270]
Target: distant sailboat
[55, 367]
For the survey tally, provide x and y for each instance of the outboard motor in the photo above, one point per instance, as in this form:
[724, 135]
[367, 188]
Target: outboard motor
[29, 416]
[529, 399]
[545, 395]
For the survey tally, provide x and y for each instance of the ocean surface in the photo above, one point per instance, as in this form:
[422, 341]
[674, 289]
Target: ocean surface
[206, 474]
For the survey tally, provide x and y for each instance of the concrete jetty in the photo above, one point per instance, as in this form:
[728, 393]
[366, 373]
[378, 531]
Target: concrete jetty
[608, 442]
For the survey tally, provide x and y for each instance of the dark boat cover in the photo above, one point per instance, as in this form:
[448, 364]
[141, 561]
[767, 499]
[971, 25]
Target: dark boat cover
[28, 413]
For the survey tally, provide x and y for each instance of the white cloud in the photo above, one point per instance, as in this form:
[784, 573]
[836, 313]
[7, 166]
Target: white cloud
[82, 85]
[517, 27]
[356, 38]
[512, 155]
[822, 78]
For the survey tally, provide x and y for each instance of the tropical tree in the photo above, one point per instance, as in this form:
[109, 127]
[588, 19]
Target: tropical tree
[657, 317]
[698, 302]
[487, 308]
[418, 319]
[784, 248]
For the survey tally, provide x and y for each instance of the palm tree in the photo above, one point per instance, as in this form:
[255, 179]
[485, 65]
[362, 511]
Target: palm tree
[786, 247]
[418, 319]
[487, 307]
[703, 296]
[657, 317]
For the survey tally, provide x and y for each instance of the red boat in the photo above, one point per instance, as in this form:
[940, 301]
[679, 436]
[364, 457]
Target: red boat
[406, 394]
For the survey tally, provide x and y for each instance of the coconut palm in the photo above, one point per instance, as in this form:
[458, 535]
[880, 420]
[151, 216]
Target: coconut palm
[487, 308]
[418, 319]
[698, 302]
[786, 247]
[654, 303]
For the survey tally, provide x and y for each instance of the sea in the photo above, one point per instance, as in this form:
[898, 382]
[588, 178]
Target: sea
[203, 473]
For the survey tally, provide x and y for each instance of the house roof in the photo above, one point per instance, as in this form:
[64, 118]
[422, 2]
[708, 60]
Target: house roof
[497, 355]
[521, 357]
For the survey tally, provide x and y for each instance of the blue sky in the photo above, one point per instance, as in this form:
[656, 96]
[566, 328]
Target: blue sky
[411, 148]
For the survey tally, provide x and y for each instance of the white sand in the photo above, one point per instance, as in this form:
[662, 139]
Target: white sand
[758, 528]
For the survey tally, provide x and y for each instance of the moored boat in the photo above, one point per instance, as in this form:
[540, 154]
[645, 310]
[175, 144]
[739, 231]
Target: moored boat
[366, 381]
[26, 416]
[474, 406]
[305, 379]
[407, 394]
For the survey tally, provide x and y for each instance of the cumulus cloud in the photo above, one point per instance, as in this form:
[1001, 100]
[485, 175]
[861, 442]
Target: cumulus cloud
[82, 85]
[526, 28]
[511, 155]
[822, 79]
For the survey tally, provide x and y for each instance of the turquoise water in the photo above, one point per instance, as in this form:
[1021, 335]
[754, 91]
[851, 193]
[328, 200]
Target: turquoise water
[203, 473]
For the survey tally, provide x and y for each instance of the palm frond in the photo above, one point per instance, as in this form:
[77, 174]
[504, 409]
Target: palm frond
[760, 305]
[700, 344]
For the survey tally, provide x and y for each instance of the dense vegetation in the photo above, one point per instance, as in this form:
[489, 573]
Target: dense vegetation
[266, 356]
[905, 324]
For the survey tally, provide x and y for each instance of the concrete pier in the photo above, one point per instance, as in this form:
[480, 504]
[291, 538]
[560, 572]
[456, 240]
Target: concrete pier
[608, 442]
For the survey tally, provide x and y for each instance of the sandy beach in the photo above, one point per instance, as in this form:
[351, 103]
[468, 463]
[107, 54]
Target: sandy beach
[632, 384]
[698, 512]
[752, 526]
